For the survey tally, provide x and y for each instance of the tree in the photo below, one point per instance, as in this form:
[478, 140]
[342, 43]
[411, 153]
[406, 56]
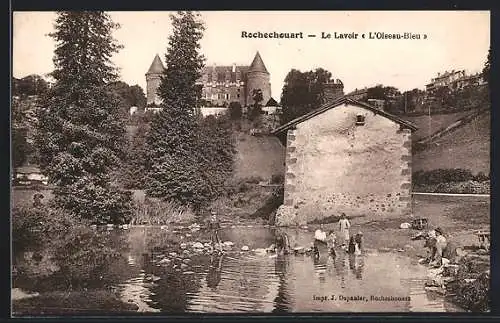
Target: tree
[30, 85]
[303, 92]
[217, 145]
[235, 110]
[256, 109]
[138, 96]
[134, 167]
[20, 148]
[177, 168]
[80, 136]
[486, 70]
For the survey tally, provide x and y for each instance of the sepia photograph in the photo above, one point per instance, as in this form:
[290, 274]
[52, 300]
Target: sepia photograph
[251, 162]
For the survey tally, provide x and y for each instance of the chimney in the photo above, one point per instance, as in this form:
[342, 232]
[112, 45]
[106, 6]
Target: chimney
[234, 68]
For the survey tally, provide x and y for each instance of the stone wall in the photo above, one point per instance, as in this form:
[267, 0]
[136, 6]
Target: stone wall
[152, 84]
[258, 80]
[334, 166]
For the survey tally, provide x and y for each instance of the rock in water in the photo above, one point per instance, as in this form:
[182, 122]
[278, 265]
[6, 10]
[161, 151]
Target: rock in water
[245, 248]
[260, 251]
[183, 245]
[228, 243]
[198, 245]
[299, 250]
[164, 261]
[405, 225]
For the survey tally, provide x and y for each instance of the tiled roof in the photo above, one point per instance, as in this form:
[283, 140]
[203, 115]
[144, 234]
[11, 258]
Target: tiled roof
[258, 65]
[342, 100]
[156, 67]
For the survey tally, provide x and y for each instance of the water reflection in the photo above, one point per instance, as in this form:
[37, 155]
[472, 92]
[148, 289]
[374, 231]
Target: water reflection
[160, 270]
[214, 275]
[282, 300]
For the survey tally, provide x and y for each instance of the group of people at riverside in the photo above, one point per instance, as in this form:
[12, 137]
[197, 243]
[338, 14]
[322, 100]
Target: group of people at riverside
[435, 241]
[322, 242]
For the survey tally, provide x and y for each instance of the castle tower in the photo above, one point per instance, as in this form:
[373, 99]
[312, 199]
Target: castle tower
[153, 79]
[258, 78]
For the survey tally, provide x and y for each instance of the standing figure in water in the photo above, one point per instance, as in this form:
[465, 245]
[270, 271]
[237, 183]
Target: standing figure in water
[344, 225]
[282, 243]
[214, 227]
[331, 240]
[354, 246]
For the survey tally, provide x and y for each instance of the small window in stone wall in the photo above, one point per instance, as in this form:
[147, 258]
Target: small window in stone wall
[360, 120]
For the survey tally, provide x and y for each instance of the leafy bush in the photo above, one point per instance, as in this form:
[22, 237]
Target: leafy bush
[27, 226]
[438, 176]
[277, 179]
[481, 177]
[475, 295]
[469, 187]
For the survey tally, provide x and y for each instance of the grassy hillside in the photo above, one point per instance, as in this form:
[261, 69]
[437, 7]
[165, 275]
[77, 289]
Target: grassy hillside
[428, 125]
[261, 156]
[466, 147]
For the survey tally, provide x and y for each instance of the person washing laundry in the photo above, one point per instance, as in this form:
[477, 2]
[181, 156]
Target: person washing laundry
[344, 225]
[354, 246]
[331, 241]
[319, 241]
[439, 248]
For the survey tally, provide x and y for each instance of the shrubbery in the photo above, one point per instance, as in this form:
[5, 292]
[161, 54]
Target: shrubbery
[438, 176]
[78, 253]
[472, 295]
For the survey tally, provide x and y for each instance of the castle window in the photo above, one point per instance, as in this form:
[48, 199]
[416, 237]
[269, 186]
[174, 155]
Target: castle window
[360, 120]
[238, 96]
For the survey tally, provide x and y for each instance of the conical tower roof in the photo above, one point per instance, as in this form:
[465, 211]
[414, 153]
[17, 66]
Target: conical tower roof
[156, 67]
[257, 65]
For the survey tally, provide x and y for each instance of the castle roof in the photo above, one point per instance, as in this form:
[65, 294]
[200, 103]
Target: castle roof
[272, 103]
[156, 67]
[258, 65]
[342, 100]
[218, 73]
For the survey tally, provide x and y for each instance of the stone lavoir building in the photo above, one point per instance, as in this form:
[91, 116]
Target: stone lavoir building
[345, 156]
[221, 84]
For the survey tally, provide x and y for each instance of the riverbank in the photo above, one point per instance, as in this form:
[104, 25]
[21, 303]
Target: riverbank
[460, 217]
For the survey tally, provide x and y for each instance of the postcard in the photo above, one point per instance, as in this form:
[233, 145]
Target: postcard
[250, 162]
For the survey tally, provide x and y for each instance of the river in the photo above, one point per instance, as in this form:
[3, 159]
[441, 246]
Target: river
[160, 271]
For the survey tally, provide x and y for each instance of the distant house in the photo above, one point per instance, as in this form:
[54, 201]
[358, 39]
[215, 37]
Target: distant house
[271, 107]
[345, 156]
[469, 80]
[445, 79]
[29, 175]
[377, 103]
[212, 111]
[358, 94]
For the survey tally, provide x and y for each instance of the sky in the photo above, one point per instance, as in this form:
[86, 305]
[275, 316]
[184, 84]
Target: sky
[455, 40]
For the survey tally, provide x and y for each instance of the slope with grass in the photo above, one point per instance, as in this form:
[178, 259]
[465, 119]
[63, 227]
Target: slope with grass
[258, 156]
[467, 147]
